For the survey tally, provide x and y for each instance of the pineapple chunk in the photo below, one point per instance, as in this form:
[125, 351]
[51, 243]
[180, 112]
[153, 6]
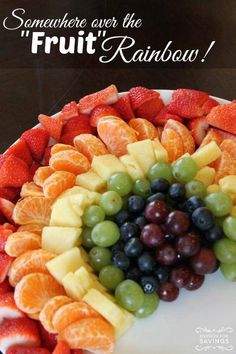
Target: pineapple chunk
[143, 152]
[58, 239]
[233, 197]
[73, 287]
[91, 180]
[206, 175]
[233, 211]
[65, 263]
[206, 154]
[132, 166]
[213, 188]
[89, 280]
[90, 197]
[160, 152]
[228, 184]
[120, 319]
[63, 214]
[106, 165]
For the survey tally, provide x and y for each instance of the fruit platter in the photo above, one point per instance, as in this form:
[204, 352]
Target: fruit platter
[113, 211]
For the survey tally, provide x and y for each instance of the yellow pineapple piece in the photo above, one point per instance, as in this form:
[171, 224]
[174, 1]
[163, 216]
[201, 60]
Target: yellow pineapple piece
[143, 152]
[88, 280]
[73, 287]
[132, 167]
[119, 318]
[91, 180]
[233, 211]
[206, 154]
[228, 184]
[233, 197]
[58, 239]
[213, 188]
[64, 215]
[90, 196]
[206, 175]
[159, 151]
[107, 165]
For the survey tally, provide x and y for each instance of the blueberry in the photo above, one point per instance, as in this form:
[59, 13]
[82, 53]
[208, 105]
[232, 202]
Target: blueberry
[161, 273]
[133, 274]
[146, 263]
[202, 218]
[193, 203]
[135, 204]
[149, 284]
[129, 230]
[118, 246]
[176, 192]
[133, 247]
[141, 221]
[120, 260]
[214, 234]
[160, 185]
[156, 196]
[121, 217]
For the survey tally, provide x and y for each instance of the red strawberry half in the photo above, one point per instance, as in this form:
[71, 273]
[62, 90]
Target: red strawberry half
[20, 149]
[139, 95]
[223, 117]
[209, 104]
[18, 349]
[7, 207]
[13, 172]
[47, 155]
[74, 127]
[8, 308]
[101, 111]
[163, 116]
[5, 287]
[9, 193]
[123, 107]
[37, 140]
[224, 135]
[48, 340]
[198, 128]
[61, 348]
[52, 125]
[5, 263]
[70, 110]
[150, 109]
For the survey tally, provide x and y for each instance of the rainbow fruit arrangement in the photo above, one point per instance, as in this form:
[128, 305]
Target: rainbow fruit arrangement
[116, 203]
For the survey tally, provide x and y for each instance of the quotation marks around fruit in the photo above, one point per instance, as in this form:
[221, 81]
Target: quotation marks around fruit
[220, 339]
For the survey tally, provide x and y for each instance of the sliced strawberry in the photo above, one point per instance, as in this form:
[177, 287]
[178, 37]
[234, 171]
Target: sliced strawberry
[5, 263]
[8, 308]
[150, 109]
[33, 168]
[198, 128]
[20, 149]
[13, 172]
[139, 95]
[209, 104]
[5, 287]
[70, 110]
[223, 134]
[223, 117]
[52, 125]
[18, 349]
[109, 95]
[124, 108]
[9, 193]
[61, 348]
[188, 103]
[48, 340]
[79, 123]
[47, 155]
[77, 351]
[4, 234]
[162, 117]
[7, 207]
[101, 111]
[37, 140]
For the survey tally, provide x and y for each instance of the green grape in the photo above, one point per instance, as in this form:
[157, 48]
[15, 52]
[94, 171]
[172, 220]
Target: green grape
[86, 237]
[149, 305]
[120, 182]
[111, 276]
[129, 295]
[184, 169]
[99, 257]
[225, 251]
[160, 169]
[229, 227]
[195, 187]
[105, 234]
[219, 203]
[142, 187]
[93, 215]
[229, 271]
[111, 202]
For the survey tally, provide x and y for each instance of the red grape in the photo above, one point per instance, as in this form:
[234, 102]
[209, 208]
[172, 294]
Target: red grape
[156, 211]
[195, 281]
[168, 292]
[204, 261]
[166, 254]
[152, 235]
[179, 276]
[188, 245]
[177, 222]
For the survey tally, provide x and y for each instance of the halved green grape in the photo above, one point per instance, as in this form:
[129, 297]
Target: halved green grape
[111, 202]
[99, 257]
[219, 203]
[195, 188]
[105, 234]
[129, 295]
[149, 305]
[142, 187]
[111, 276]
[160, 169]
[229, 271]
[93, 215]
[86, 236]
[229, 227]
[120, 182]
[225, 251]
[184, 169]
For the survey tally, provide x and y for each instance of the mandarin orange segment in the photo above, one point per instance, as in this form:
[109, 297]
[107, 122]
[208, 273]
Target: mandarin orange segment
[90, 146]
[34, 290]
[49, 310]
[69, 161]
[225, 165]
[212, 135]
[57, 183]
[32, 210]
[173, 143]
[36, 228]
[21, 242]
[72, 312]
[182, 130]
[145, 129]
[93, 334]
[29, 262]
[116, 134]
[34, 316]
[30, 189]
[42, 174]
[61, 147]
[230, 146]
